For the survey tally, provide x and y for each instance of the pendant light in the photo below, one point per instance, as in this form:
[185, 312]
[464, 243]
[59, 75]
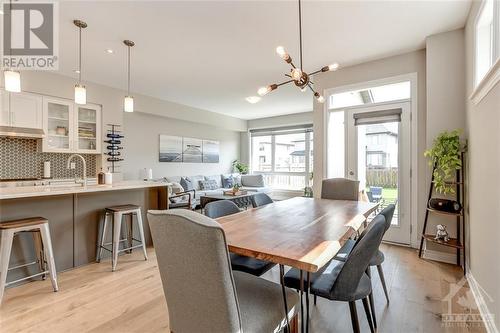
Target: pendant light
[12, 78]
[128, 102]
[297, 75]
[80, 90]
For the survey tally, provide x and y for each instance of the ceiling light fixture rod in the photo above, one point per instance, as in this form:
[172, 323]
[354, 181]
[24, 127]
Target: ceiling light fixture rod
[283, 83]
[300, 35]
[128, 70]
[81, 25]
[79, 54]
[298, 76]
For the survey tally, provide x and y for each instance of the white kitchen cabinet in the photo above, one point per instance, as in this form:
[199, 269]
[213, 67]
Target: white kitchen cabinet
[71, 128]
[21, 110]
[4, 108]
[58, 125]
[88, 128]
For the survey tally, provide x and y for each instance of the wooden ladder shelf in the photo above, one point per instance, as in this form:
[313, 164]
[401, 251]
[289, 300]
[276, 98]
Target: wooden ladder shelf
[459, 242]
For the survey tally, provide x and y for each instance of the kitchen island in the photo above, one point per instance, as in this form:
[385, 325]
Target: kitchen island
[73, 213]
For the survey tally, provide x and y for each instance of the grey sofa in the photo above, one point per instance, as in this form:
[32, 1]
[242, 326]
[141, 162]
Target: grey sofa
[251, 183]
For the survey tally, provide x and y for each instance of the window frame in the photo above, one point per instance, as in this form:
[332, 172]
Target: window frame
[495, 40]
[273, 132]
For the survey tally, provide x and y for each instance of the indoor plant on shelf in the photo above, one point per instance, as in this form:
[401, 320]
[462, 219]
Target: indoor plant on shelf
[240, 167]
[445, 154]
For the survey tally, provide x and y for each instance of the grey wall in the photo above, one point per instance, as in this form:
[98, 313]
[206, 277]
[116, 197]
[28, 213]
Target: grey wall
[483, 128]
[286, 120]
[402, 64]
[142, 146]
[445, 63]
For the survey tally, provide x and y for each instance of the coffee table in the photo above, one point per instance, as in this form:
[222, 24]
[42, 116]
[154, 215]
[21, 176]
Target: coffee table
[242, 201]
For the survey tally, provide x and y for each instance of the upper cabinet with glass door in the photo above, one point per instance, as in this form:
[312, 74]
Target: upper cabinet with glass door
[58, 125]
[71, 128]
[88, 128]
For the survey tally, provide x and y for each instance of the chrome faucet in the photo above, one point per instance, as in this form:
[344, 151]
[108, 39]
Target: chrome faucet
[84, 167]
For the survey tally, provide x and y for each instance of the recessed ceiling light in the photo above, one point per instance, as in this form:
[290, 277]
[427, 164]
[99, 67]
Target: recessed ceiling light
[110, 51]
[253, 99]
[76, 71]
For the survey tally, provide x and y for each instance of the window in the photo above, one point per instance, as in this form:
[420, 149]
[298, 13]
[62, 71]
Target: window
[283, 156]
[336, 145]
[487, 33]
[385, 93]
[261, 159]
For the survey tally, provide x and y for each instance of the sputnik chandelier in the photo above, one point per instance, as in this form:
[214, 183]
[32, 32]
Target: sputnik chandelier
[297, 75]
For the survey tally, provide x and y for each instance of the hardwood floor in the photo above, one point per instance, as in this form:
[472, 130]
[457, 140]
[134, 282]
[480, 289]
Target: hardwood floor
[94, 299]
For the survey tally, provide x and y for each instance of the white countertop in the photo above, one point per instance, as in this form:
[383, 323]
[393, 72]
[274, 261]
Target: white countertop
[39, 191]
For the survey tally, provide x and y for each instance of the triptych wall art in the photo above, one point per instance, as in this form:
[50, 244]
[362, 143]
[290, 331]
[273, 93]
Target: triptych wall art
[188, 150]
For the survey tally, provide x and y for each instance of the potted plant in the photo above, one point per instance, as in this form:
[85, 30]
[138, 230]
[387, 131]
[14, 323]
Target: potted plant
[308, 190]
[240, 167]
[445, 156]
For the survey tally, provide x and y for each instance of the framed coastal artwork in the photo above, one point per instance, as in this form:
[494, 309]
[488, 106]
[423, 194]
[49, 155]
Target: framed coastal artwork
[170, 148]
[210, 151]
[192, 150]
[188, 150]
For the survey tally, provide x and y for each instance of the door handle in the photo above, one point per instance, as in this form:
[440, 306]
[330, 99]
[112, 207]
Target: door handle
[351, 173]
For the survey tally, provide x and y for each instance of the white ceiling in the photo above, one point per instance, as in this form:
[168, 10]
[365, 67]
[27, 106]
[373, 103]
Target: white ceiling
[213, 54]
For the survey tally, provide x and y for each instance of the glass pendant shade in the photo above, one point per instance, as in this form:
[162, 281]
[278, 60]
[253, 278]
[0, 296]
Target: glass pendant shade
[12, 80]
[80, 94]
[128, 104]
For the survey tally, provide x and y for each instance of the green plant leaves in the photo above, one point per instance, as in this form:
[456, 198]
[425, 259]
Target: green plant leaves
[445, 155]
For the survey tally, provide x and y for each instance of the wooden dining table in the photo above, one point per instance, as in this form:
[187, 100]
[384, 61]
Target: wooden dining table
[303, 233]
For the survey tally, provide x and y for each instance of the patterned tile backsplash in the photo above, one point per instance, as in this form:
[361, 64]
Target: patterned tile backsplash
[20, 158]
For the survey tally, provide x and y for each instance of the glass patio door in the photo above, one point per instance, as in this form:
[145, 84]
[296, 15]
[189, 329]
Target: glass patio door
[378, 155]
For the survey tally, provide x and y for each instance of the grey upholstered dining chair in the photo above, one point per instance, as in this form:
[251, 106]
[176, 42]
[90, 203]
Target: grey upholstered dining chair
[203, 294]
[347, 281]
[220, 208]
[261, 199]
[340, 189]
[378, 258]
[241, 263]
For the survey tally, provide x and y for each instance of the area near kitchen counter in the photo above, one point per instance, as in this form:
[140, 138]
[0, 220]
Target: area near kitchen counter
[47, 190]
[73, 214]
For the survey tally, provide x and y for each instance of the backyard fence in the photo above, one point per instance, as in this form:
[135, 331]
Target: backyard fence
[382, 177]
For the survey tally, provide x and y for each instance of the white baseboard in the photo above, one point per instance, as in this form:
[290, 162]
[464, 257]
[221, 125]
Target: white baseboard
[450, 258]
[479, 296]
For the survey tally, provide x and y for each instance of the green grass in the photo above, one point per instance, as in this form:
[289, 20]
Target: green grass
[388, 193]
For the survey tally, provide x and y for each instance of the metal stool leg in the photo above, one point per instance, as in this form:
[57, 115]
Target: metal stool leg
[103, 236]
[117, 225]
[130, 232]
[40, 256]
[5, 248]
[45, 233]
[141, 233]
